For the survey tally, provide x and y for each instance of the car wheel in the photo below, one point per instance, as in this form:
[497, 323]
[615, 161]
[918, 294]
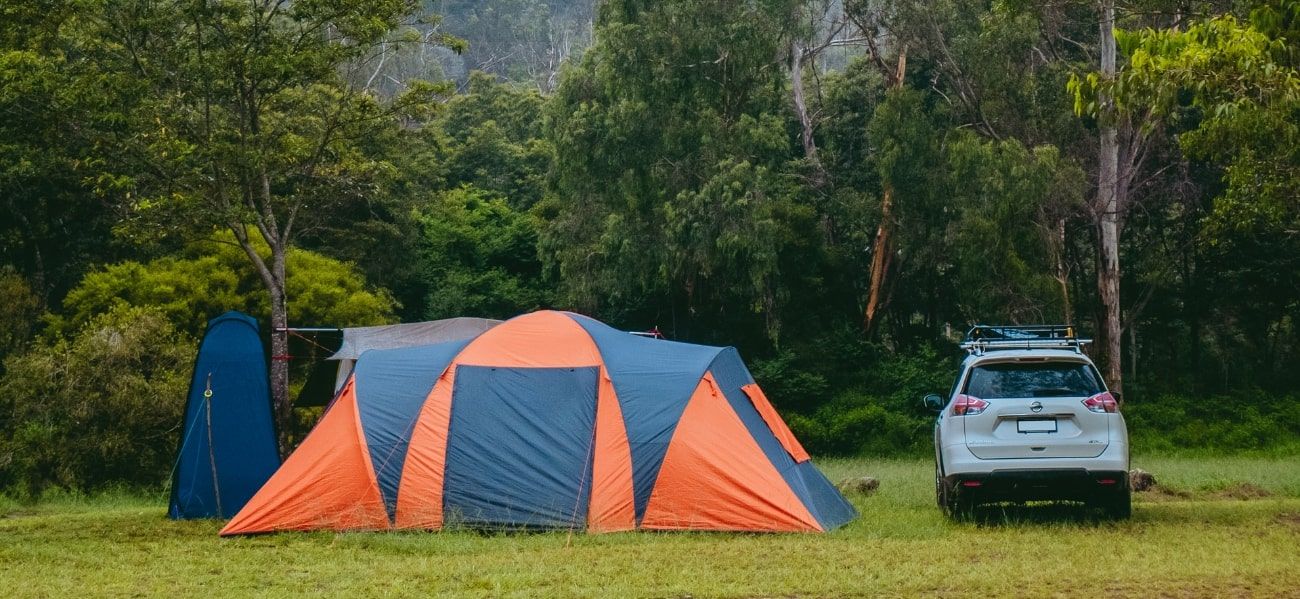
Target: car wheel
[1118, 505]
[940, 491]
[961, 505]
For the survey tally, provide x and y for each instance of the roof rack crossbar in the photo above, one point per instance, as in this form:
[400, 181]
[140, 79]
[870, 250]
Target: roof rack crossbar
[982, 338]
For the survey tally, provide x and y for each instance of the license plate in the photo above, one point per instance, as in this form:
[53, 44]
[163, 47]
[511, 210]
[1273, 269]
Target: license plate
[1039, 425]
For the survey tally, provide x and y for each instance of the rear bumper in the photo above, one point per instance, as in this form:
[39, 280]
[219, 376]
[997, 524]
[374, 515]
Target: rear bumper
[1038, 484]
[957, 459]
[1028, 479]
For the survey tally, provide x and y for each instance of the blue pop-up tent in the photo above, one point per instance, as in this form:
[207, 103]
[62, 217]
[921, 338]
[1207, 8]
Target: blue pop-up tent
[228, 444]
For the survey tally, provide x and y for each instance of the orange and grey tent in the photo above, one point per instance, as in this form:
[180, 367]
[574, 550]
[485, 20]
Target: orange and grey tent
[549, 420]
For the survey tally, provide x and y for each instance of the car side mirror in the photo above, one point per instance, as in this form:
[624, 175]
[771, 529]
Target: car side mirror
[933, 402]
[1119, 397]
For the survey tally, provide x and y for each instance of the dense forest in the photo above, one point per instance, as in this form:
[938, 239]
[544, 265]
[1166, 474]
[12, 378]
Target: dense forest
[838, 188]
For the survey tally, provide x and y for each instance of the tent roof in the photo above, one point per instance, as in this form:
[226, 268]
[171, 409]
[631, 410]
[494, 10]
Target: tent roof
[359, 339]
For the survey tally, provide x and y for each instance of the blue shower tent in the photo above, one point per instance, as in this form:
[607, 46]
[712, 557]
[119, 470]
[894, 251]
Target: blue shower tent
[228, 443]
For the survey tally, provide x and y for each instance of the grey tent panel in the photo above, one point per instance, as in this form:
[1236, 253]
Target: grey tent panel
[392, 336]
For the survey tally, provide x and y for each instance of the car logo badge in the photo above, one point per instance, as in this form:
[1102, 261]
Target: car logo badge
[1036, 406]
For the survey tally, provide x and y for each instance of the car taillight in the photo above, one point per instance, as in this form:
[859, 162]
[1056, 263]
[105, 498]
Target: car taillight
[965, 405]
[1102, 402]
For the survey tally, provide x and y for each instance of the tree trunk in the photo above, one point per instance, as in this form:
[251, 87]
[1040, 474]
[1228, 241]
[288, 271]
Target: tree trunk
[1107, 210]
[883, 247]
[881, 256]
[1132, 347]
[1063, 273]
[801, 110]
[280, 348]
[273, 278]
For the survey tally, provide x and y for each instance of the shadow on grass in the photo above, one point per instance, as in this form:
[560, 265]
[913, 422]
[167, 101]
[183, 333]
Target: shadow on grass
[1211, 510]
[1035, 513]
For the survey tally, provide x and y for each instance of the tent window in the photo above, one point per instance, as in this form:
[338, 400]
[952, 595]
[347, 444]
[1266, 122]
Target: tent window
[775, 423]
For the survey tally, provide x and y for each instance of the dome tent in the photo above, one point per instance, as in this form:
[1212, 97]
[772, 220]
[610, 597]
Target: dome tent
[549, 420]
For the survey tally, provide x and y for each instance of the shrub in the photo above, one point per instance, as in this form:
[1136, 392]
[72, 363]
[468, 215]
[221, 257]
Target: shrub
[99, 409]
[871, 404]
[791, 387]
[857, 424]
[19, 308]
[210, 278]
[1251, 420]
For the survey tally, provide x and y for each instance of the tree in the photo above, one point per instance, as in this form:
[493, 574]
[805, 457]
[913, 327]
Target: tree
[491, 138]
[479, 257]
[1106, 207]
[1231, 88]
[242, 119]
[1002, 238]
[671, 133]
[51, 225]
[1227, 71]
[19, 308]
[209, 278]
[97, 408]
[525, 41]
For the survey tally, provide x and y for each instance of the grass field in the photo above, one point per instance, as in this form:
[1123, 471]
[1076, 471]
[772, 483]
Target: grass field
[1222, 526]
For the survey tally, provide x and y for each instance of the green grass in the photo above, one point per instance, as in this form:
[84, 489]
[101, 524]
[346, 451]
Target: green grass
[1194, 540]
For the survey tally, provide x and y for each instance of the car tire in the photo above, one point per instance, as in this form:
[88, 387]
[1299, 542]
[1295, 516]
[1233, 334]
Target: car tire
[956, 504]
[1116, 505]
[1119, 506]
[961, 505]
[940, 491]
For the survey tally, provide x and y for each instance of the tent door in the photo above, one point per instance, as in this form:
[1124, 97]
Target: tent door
[519, 449]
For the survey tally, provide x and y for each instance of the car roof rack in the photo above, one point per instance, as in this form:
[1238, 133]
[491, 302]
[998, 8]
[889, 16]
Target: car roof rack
[983, 338]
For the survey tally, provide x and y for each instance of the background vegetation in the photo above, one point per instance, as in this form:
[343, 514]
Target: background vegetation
[723, 170]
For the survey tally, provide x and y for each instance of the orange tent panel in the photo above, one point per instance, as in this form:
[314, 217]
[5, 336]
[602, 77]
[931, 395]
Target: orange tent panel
[612, 506]
[537, 340]
[774, 422]
[328, 482]
[715, 476]
[419, 498]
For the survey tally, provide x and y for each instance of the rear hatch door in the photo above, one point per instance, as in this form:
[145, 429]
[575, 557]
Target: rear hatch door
[1035, 410]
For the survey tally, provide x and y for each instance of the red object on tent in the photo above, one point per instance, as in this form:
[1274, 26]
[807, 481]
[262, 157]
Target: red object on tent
[549, 420]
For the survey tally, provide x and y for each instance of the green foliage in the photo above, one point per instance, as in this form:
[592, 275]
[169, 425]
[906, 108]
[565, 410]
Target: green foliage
[1242, 86]
[856, 424]
[852, 398]
[19, 308]
[479, 257]
[1003, 237]
[665, 182]
[239, 114]
[96, 409]
[491, 138]
[50, 227]
[677, 193]
[1246, 420]
[209, 278]
[525, 41]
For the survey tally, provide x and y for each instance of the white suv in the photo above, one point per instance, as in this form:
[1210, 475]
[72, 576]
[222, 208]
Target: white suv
[1029, 418]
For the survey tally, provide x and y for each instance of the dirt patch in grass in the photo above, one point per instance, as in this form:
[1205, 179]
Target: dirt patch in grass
[1290, 520]
[1242, 491]
[1159, 493]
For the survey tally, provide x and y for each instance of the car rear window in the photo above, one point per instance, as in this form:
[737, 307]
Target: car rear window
[1033, 379]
